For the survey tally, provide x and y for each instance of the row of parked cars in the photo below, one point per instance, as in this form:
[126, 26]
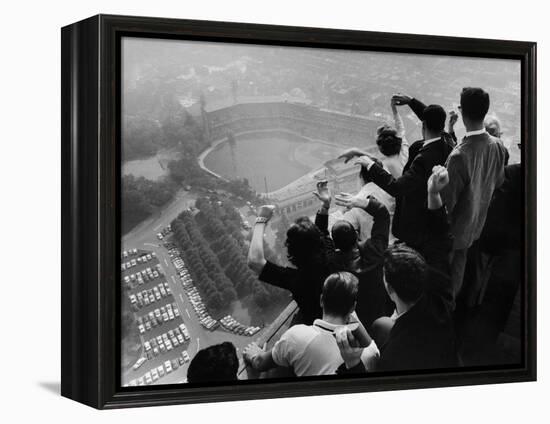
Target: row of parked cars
[192, 292]
[158, 317]
[165, 231]
[142, 277]
[146, 297]
[156, 373]
[129, 252]
[166, 341]
[142, 259]
[231, 324]
[200, 309]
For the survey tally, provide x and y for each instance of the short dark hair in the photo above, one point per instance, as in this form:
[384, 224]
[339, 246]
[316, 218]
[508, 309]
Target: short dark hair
[215, 363]
[340, 293]
[405, 270]
[388, 141]
[344, 235]
[304, 243]
[474, 103]
[364, 174]
[434, 118]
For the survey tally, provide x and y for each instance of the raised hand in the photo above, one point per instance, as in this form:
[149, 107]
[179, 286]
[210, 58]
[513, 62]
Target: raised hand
[438, 180]
[323, 193]
[453, 118]
[400, 99]
[364, 161]
[265, 212]
[350, 201]
[349, 154]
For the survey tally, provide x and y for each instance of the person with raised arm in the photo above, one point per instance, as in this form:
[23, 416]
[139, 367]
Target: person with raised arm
[306, 251]
[411, 218]
[391, 143]
[364, 258]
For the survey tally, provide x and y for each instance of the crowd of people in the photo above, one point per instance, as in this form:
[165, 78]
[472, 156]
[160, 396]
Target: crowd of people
[400, 299]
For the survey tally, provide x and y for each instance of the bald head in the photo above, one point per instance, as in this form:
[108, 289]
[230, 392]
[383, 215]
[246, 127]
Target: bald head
[492, 126]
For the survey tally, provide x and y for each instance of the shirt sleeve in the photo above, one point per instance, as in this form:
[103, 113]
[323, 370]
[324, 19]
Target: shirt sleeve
[414, 179]
[283, 349]
[457, 181]
[373, 248]
[418, 108]
[278, 276]
[370, 356]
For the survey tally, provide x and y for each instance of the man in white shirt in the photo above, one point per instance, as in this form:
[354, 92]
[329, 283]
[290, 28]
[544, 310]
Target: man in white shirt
[312, 350]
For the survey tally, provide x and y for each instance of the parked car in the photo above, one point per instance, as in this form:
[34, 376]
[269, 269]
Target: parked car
[139, 363]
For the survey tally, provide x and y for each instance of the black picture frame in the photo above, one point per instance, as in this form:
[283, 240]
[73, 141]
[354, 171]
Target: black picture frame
[90, 235]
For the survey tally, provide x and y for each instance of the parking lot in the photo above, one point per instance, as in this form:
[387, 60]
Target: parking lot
[163, 334]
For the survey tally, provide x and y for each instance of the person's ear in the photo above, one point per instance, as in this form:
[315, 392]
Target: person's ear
[321, 301]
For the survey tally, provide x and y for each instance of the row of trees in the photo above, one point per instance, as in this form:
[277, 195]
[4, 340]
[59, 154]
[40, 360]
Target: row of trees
[220, 223]
[216, 289]
[215, 250]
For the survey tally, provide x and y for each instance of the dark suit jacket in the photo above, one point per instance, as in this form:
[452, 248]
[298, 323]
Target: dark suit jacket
[410, 192]
[503, 226]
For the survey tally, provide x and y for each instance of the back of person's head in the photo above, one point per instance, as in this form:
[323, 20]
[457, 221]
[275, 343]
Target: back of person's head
[340, 294]
[344, 235]
[214, 363]
[434, 118]
[388, 141]
[405, 270]
[364, 173]
[304, 243]
[474, 103]
[492, 126]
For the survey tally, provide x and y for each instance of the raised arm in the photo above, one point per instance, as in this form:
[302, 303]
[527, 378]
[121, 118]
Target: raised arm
[256, 256]
[373, 248]
[414, 179]
[398, 121]
[440, 243]
[323, 195]
[416, 105]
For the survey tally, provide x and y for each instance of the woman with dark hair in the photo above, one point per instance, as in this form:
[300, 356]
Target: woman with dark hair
[306, 251]
[391, 142]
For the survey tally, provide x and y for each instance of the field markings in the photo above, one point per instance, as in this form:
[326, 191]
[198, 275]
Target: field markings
[198, 344]
[187, 313]
[150, 244]
[166, 262]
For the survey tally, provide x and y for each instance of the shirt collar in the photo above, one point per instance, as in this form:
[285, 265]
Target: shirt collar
[475, 132]
[325, 325]
[431, 140]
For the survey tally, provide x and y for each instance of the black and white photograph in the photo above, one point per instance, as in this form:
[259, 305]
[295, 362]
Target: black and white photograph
[293, 212]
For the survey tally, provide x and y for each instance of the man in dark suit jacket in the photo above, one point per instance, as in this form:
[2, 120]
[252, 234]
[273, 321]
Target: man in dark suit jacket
[410, 218]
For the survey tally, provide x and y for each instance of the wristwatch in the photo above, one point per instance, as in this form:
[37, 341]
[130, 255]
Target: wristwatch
[261, 220]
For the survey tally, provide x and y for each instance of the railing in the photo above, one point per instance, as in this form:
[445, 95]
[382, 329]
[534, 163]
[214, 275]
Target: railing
[272, 334]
